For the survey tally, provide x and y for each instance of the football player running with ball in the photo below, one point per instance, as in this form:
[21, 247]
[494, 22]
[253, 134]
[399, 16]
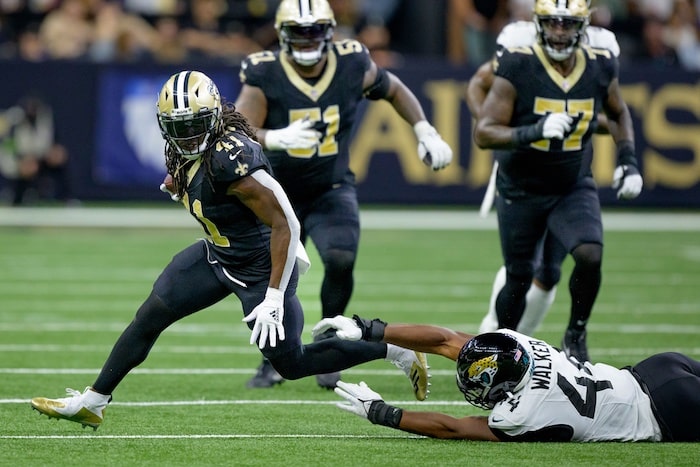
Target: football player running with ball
[533, 391]
[222, 177]
[540, 113]
[303, 101]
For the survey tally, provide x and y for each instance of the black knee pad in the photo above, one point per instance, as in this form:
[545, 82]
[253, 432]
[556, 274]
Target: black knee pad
[154, 315]
[338, 261]
[588, 255]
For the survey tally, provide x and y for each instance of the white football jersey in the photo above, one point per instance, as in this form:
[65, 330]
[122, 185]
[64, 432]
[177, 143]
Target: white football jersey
[524, 34]
[580, 402]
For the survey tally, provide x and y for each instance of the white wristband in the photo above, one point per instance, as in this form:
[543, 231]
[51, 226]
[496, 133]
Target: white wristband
[274, 294]
[423, 129]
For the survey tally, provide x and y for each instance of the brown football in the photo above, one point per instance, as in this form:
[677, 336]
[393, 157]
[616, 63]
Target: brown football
[168, 182]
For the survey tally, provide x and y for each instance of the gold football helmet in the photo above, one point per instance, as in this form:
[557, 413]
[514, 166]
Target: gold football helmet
[561, 24]
[189, 112]
[305, 29]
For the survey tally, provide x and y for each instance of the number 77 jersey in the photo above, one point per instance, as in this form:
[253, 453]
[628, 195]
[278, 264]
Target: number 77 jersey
[552, 166]
[569, 401]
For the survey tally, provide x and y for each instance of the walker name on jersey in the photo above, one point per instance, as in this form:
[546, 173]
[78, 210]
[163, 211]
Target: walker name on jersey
[542, 365]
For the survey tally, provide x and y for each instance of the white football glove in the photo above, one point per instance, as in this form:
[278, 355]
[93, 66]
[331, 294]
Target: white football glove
[298, 135]
[359, 397]
[346, 328]
[628, 180]
[173, 196]
[268, 316]
[556, 125]
[432, 149]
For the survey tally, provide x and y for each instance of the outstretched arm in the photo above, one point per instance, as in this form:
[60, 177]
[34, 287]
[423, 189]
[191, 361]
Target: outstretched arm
[442, 426]
[419, 337]
[361, 400]
[425, 338]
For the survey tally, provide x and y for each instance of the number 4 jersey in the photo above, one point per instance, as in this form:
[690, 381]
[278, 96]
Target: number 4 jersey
[568, 401]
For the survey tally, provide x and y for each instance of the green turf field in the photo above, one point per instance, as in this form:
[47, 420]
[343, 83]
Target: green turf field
[67, 293]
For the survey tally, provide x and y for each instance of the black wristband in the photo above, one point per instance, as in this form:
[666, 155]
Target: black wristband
[381, 413]
[625, 153]
[372, 331]
[527, 134]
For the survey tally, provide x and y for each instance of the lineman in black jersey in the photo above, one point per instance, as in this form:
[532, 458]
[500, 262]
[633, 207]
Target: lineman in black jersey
[303, 100]
[542, 292]
[533, 390]
[222, 177]
[541, 109]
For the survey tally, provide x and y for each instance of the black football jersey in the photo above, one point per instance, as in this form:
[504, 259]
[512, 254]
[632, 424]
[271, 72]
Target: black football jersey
[552, 166]
[330, 101]
[237, 238]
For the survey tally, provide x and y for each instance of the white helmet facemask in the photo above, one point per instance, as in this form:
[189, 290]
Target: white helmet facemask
[297, 39]
[308, 57]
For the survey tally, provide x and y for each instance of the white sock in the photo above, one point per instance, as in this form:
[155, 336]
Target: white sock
[393, 352]
[490, 321]
[95, 399]
[537, 304]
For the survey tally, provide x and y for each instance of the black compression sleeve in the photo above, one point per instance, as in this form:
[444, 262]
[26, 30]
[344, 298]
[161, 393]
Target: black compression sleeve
[373, 330]
[380, 88]
[527, 134]
[625, 153]
[381, 413]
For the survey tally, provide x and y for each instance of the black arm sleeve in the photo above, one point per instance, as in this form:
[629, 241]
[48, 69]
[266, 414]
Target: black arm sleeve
[380, 88]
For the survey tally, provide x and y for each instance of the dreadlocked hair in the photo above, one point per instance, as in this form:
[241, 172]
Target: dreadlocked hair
[175, 164]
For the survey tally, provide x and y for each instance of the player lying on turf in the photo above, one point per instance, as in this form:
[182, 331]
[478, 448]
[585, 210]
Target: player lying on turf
[534, 392]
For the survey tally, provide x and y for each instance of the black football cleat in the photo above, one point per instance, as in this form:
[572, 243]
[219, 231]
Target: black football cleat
[574, 345]
[265, 377]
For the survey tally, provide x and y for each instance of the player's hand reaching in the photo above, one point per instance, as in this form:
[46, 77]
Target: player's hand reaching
[432, 149]
[298, 135]
[556, 125]
[627, 181]
[358, 397]
[268, 316]
[352, 329]
[346, 328]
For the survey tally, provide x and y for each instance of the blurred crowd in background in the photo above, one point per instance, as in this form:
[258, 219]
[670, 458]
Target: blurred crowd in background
[666, 32]
[659, 33]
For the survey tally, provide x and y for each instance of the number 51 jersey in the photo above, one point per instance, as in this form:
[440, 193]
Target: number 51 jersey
[330, 102]
[568, 401]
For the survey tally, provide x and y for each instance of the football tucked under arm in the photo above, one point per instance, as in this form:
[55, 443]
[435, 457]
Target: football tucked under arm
[168, 186]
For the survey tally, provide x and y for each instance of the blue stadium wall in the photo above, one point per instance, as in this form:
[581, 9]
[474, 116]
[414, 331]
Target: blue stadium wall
[105, 115]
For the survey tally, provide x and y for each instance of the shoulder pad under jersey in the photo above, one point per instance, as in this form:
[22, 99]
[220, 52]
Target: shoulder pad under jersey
[517, 34]
[601, 38]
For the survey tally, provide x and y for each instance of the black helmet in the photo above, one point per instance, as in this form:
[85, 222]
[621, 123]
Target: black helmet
[491, 365]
